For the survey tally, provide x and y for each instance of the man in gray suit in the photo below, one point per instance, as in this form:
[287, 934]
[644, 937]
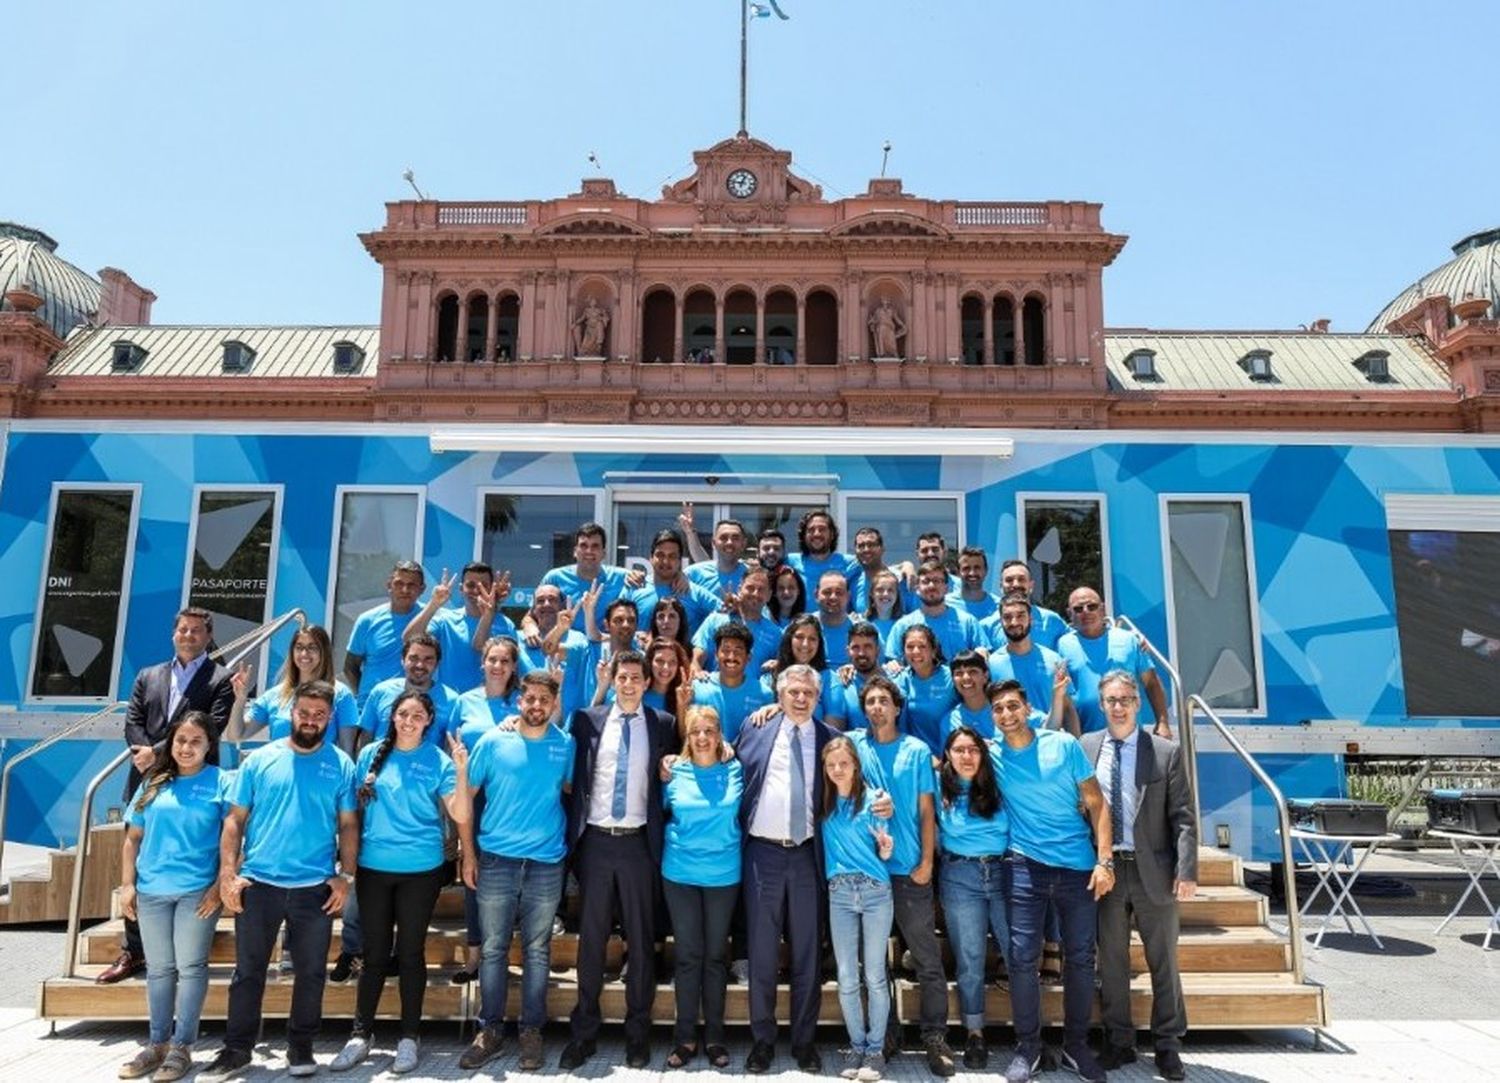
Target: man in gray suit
[1145, 784]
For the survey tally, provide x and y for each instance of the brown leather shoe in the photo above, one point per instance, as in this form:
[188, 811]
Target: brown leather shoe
[126, 966]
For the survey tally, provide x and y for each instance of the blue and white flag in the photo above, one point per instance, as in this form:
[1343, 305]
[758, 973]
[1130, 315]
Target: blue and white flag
[763, 11]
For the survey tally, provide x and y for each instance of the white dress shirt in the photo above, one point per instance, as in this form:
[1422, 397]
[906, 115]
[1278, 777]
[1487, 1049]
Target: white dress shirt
[1106, 768]
[602, 788]
[773, 815]
[182, 676]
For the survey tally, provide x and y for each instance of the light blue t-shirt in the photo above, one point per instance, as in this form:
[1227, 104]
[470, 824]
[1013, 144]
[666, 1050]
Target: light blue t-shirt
[955, 631]
[963, 832]
[573, 587]
[274, 710]
[1090, 659]
[849, 842]
[697, 603]
[479, 713]
[376, 637]
[1046, 629]
[978, 608]
[461, 666]
[707, 575]
[294, 798]
[884, 625]
[929, 701]
[1033, 669]
[403, 824]
[535, 658]
[844, 701]
[836, 641]
[733, 704]
[523, 781]
[903, 769]
[180, 849]
[765, 631]
[375, 719]
[1040, 786]
[702, 847]
[812, 568]
[979, 719]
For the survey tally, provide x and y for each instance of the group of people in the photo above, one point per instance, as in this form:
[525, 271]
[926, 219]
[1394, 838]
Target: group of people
[807, 748]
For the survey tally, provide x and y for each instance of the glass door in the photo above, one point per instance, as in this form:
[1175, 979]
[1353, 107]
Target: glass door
[639, 515]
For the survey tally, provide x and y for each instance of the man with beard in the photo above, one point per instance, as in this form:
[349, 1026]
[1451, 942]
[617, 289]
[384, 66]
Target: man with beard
[818, 538]
[290, 800]
[955, 630]
[733, 690]
[971, 597]
[1034, 665]
[770, 550]
[846, 712]
[747, 609]
[1046, 626]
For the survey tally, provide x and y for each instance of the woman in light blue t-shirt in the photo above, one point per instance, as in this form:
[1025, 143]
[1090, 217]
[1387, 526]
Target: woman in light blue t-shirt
[169, 883]
[700, 871]
[407, 784]
[310, 658]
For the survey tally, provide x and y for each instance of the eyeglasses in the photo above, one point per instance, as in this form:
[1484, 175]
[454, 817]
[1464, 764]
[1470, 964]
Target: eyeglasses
[1086, 607]
[1119, 701]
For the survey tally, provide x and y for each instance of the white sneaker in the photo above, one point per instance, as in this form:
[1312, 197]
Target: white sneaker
[740, 968]
[406, 1056]
[355, 1050]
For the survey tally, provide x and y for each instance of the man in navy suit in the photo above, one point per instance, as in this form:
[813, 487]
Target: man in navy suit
[191, 681]
[783, 868]
[615, 836]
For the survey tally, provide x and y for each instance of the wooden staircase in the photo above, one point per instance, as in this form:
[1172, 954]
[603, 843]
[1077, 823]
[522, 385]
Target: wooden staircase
[43, 896]
[1236, 973]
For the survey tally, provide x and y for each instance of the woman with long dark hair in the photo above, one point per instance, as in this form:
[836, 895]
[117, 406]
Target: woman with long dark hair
[668, 688]
[169, 883]
[669, 620]
[974, 829]
[886, 604]
[407, 784]
[801, 644]
[788, 594]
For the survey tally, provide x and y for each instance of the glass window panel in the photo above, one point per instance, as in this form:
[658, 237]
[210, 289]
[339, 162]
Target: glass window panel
[1214, 635]
[80, 613]
[528, 533]
[231, 560]
[1064, 547]
[636, 522]
[1448, 620]
[376, 529]
[901, 520]
[769, 515]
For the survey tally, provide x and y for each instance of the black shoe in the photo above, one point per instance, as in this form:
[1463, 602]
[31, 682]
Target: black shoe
[939, 1056]
[343, 967]
[808, 1058]
[976, 1052]
[1079, 1059]
[463, 977]
[1169, 1064]
[574, 1054]
[637, 1054]
[760, 1058]
[228, 1064]
[299, 1060]
[1116, 1056]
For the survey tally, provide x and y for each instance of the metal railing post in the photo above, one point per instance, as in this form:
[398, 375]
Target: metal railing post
[1288, 866]
[75, 897]
[1186, 737]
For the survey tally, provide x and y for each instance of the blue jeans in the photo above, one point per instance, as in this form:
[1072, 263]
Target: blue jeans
[975, 894]
[860, 910]
[352, 934]
[1033, 886]
[177, 941]
[515, 893]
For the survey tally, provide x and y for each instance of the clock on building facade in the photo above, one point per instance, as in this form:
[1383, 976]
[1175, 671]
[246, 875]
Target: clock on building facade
[741, 184]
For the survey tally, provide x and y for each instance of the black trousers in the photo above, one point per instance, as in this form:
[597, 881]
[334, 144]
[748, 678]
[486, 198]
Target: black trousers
[784, 892]
[917, 922]
[308, 931]
[616, 876]
[403, 900]
[700, 926]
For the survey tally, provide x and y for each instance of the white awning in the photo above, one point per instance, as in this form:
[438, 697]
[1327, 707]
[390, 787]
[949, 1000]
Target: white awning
[722, 439]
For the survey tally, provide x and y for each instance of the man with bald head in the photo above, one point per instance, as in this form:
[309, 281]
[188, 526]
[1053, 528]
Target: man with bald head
[1093, 649]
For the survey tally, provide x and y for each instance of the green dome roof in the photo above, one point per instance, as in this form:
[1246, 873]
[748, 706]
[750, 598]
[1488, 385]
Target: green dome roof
[28, 259]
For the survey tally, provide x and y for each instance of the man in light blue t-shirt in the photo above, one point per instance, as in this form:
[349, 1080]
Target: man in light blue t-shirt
[955, 630]
[454, 628]
[720, 576]
[818, 544]
[1045, 778]
[1093, 649]
[289, 802]
[1014, 655]
[518, 876]
[374, 651]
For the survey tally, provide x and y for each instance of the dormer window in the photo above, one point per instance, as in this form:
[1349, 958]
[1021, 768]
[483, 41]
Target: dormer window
[1257, 364]
[126, 357]
[1376, 365]
[347, 357]
[1142, 364]
[237, 356]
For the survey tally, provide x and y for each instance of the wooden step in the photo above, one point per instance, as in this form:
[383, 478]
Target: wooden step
[1219, 868]
[1224, 907]
[45, 896]
[1232, 1001]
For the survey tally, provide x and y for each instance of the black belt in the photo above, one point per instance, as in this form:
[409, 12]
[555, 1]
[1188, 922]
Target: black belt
[1124, 855]
[982, 859]
[616, 830]
[785, 844]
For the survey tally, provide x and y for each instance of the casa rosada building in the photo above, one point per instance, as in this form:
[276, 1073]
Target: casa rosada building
[742, 296]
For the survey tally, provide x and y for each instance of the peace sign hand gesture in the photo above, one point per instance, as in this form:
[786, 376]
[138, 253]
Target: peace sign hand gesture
[444, 589]
[458, 752]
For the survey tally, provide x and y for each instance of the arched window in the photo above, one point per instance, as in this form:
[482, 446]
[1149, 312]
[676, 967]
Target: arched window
[698, 311]
[474, 330]
[447, 328]
[1004, 330]
[781, 328]
[971, 319]
[658, 312]
[739, 327]
[1034, 329]
[822, 335]
[507, 327]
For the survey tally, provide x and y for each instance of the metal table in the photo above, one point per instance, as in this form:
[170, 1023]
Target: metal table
[1327, 854]
[1477, 854]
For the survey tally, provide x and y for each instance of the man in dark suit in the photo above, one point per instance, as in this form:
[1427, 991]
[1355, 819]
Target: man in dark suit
[1145, 785]
[784, 884]
[615, 837]
[191, 681]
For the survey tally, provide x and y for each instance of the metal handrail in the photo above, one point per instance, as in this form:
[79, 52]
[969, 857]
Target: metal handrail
[252, 640]
[75, 897]
[1288, 867]
[1186, 737]
[41, 746]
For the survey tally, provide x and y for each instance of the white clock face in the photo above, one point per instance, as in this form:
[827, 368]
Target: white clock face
[741, 184]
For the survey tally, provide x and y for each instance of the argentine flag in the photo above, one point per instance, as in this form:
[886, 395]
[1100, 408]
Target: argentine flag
[763, 11]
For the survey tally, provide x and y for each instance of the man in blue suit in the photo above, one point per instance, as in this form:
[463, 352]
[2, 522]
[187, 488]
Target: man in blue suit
[615, 838]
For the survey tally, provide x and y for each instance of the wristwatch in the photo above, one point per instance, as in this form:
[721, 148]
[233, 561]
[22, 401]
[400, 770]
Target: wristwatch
[347, 877]
[1108, 864]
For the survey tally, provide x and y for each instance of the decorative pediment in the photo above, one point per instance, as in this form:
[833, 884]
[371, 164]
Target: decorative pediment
[889, 224]
[592, 225]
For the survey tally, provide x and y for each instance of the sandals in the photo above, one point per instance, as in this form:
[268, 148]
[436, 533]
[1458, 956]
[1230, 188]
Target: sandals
[718, 1056]
[680, 1056]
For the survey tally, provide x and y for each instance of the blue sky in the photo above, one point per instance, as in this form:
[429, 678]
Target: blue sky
[1272, 162]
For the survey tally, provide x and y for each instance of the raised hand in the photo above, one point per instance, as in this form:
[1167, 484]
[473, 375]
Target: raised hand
[501, 590]
[685, 518]
[458, 752]
[241, 680]
[1060, 676]
[444, 588]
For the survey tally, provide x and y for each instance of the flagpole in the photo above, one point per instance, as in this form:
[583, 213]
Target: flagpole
[744, 54]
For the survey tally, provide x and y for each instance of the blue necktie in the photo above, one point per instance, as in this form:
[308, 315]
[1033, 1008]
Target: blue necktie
[622, 767]
[797, 829]
[1117, 795]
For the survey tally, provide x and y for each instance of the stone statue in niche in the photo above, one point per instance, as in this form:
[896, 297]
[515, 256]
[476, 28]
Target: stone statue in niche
[588, 330]
[886, 327]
